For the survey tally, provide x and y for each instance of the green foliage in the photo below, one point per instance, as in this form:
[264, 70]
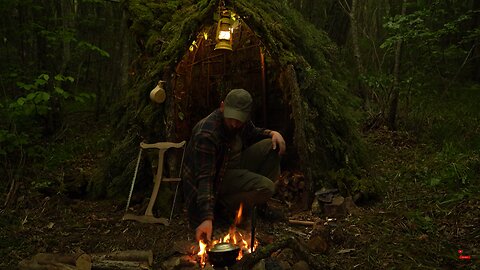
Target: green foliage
[23, 121]
[424, 222]
[455, 170]
[37, 101]
[438, 40]
[350, 183]
[449, 124]
[446, 118]
[76, 48]
[88, 46]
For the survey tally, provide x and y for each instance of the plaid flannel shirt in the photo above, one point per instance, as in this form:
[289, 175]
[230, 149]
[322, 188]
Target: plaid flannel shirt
[206, 158]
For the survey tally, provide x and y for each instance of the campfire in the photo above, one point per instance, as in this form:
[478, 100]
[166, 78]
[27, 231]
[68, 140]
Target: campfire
[232, 243]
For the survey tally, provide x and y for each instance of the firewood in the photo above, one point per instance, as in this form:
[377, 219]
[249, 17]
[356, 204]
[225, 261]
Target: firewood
[126, 255]
[83, 262]
[119, 260]
[120, 265]
[301, 222]
[49, 258]
[34, 265]
[249, 260]
[52, 261]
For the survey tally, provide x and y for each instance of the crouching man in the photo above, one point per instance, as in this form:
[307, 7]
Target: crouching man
[229, 161]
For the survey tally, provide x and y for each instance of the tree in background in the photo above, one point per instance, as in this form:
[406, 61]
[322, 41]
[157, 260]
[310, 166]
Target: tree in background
[440, 48]
[57, 58]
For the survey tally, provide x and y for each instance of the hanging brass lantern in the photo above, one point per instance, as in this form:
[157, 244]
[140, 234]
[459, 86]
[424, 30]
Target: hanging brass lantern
[224, 32]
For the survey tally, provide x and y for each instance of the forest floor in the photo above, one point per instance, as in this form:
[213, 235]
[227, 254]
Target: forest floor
[411, 225]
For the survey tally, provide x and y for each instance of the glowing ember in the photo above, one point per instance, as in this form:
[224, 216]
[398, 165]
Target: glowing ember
[233, 237]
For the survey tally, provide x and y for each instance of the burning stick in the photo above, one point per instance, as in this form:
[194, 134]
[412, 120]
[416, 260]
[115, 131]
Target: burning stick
[254, 221]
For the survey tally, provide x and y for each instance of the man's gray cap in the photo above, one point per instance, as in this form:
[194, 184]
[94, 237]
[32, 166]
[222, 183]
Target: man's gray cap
[238, 105]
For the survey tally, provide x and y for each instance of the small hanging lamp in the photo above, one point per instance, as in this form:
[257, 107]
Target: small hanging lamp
[224, 32]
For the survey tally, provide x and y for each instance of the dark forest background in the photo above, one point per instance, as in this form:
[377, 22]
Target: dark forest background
[65, 66]
[414, 65]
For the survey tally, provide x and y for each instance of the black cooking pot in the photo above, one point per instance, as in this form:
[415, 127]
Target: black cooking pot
[223, 254]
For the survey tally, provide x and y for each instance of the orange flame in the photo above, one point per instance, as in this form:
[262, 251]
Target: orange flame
[202, 253]
[238, 217]
[233, 236]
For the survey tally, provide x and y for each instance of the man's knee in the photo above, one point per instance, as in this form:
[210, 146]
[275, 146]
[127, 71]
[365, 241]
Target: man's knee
[265, 145]
[268, 188]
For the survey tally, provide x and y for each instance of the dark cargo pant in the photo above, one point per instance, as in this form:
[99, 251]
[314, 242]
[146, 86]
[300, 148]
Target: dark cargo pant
[251, 182]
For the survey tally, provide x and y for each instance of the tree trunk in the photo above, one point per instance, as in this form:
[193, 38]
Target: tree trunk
[352, 11]
[288, 79]
[476, 51]
[392, 115]
[355, 42]
[67, 16]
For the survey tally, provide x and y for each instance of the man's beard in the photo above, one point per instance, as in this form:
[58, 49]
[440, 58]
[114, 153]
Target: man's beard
[232, 132]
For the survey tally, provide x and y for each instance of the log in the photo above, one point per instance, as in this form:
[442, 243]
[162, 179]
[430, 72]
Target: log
[249, 260]
[302, 251]
[48, 258]
[118, 260]
[120, 265]
[83, 262]
[52, 261]
[126, 255]
[34, 265]
[301, 222]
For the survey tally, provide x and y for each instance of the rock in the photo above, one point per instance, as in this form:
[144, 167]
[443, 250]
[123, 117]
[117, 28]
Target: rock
[301, 265]
[326, 195]
[287, 255]
[260, 265]
[336, 208]
[171, 263]
[357, 196]
[273, 264]
[315, 208]
[284, 265]
[178, 263]
[324, 191]
[317, 244]
[351, 207]
[319, 228]
[184, 247]
[338, 200]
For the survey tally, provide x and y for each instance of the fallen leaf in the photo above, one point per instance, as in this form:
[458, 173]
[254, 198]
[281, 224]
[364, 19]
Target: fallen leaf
[50, 225]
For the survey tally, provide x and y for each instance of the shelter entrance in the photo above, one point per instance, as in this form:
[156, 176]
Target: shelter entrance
[204, 76]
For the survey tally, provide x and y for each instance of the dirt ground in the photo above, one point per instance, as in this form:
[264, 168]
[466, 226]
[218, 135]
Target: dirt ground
[408, 227]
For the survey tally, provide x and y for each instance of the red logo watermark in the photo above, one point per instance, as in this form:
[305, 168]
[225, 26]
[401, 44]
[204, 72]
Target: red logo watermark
[462, 256]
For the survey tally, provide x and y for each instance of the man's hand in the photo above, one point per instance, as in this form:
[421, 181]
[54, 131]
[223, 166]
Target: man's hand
[205, 228]
[277, 140]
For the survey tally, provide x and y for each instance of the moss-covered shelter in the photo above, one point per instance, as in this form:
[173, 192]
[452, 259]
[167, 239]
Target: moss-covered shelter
[287, 64]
